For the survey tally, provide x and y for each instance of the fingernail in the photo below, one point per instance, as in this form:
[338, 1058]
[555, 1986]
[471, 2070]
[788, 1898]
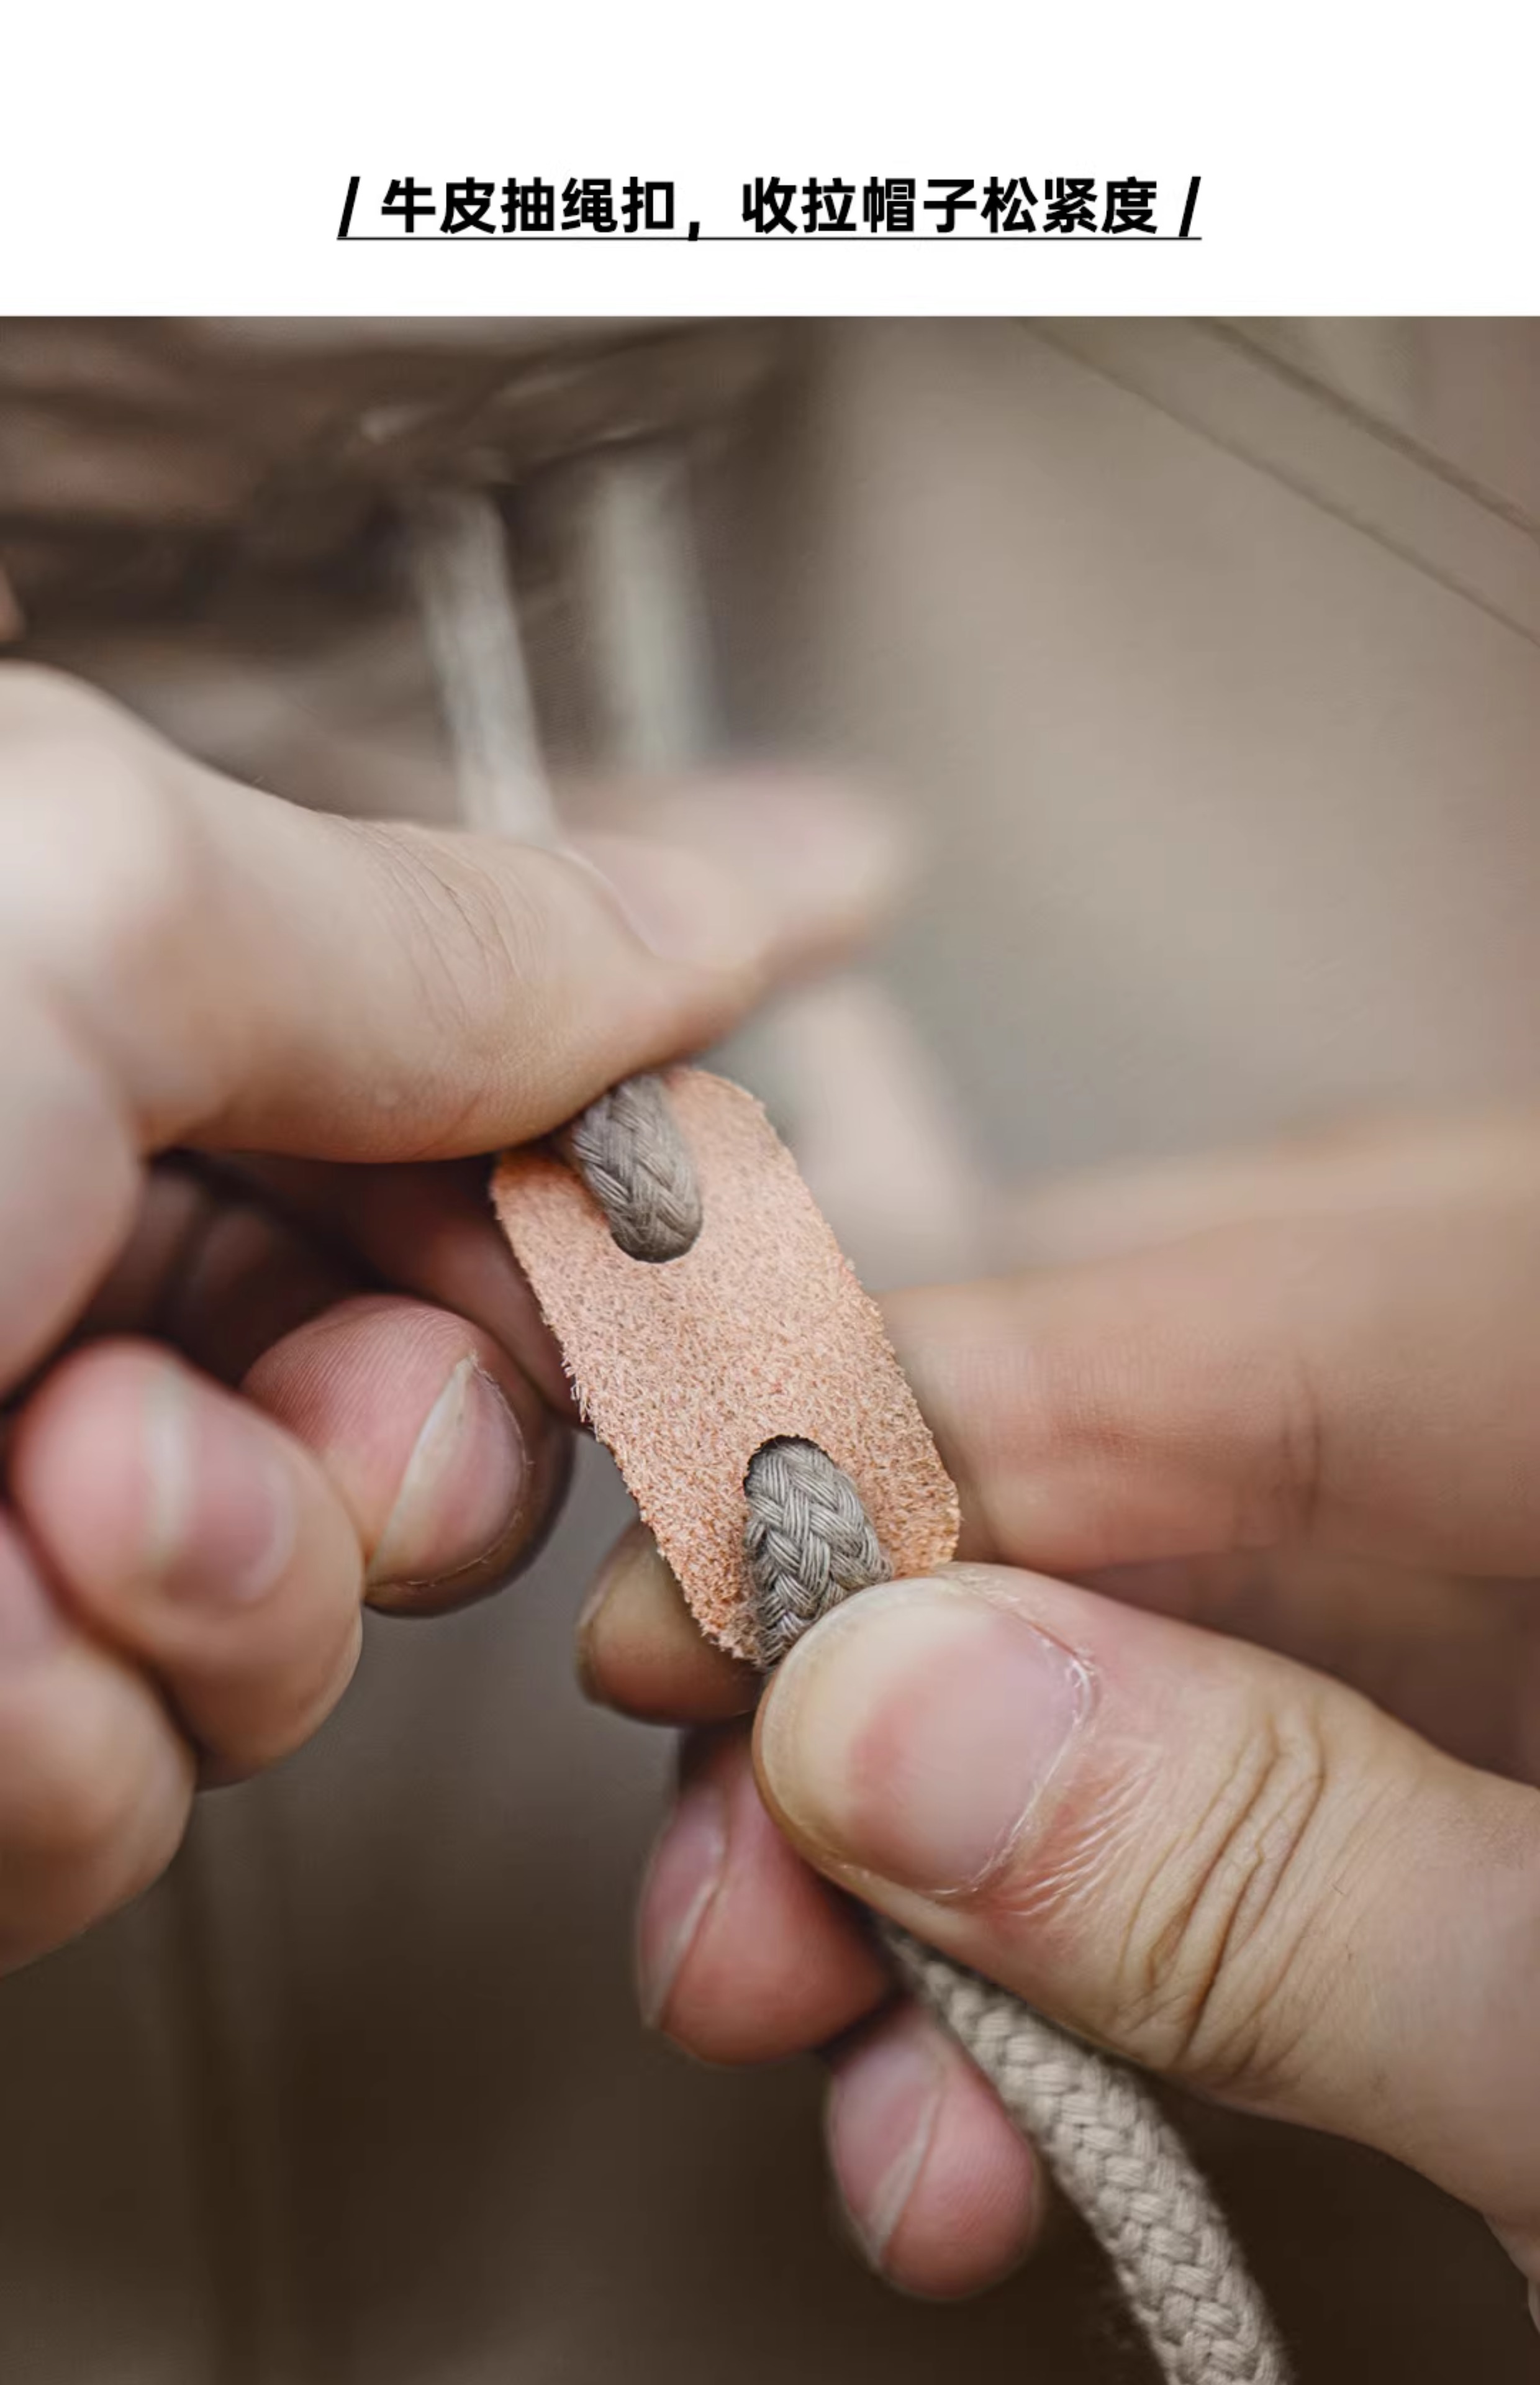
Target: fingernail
[882, 2118]
[913, 1731]
[681, 1881]
[803, 842]
[682, 906]
[220, 1519]
[726, 874]
[462, 1489]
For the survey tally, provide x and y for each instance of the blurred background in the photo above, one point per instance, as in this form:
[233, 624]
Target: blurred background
[1203, 661]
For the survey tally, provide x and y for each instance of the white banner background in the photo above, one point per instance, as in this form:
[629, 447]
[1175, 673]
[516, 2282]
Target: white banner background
[181, 159]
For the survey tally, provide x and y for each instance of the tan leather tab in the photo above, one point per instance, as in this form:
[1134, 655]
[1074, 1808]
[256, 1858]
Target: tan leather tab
[685, 1369]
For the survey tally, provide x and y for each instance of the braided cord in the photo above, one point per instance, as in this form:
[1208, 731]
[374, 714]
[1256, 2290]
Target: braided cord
[632, 1157]
[809, 1544]
[808, 1539]
[1120, 2163]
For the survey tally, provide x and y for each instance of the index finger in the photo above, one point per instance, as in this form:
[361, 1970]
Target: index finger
[186, 960]
[1365, 1384]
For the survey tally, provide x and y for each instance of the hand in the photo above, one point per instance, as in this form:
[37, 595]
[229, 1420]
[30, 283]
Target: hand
[1305, 1882]
[244, 1394]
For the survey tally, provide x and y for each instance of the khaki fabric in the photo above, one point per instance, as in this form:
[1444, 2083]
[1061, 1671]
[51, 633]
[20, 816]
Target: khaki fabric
[1208, 658]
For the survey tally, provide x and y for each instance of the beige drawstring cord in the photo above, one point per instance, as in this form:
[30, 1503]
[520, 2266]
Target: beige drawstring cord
[809, 1544]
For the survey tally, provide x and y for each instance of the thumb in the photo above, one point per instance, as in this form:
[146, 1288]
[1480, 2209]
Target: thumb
[1224, 1866]
[252, 973]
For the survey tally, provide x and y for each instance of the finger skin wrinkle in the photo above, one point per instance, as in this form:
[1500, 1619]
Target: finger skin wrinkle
[1292, 1503]
[454, 903]
[481, 947]
[1066, 1880]
[475, 944]
[1220, 1921]
[408, 875]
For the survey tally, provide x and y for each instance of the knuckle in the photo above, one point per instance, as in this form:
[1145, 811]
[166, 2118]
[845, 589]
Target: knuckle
[1207, 1980]
[38, 701]
[60, 738]
[104, 859]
